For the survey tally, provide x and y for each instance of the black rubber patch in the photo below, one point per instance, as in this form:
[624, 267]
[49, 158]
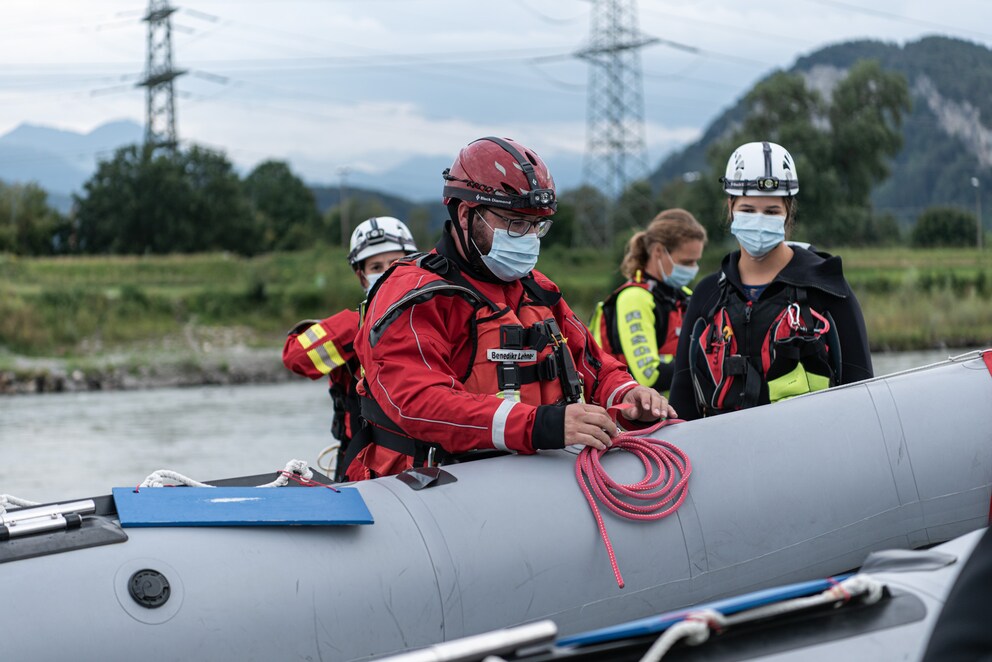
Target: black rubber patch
[424, 477]
[92, 532]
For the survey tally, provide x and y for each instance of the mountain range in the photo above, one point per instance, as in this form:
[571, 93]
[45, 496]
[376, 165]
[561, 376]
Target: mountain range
[947, 138]
[62, 161]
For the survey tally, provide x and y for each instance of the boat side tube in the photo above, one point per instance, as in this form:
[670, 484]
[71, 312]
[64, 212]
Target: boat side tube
[794, 491]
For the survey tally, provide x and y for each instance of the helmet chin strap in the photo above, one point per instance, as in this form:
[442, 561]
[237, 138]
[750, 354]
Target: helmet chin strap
[472, 253]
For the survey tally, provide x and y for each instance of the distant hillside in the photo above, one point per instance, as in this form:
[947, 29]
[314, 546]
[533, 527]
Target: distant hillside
[432, 211]
[49, 170]
[61, 161]
[419, 177]
[947, 136]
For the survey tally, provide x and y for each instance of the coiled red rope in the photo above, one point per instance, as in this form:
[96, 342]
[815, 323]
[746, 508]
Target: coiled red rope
[663, 488]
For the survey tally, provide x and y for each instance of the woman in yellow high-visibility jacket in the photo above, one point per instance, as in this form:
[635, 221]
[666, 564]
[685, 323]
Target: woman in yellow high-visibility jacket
[640, 322]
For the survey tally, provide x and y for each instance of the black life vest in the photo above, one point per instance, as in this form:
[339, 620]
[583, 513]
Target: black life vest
[745, 353]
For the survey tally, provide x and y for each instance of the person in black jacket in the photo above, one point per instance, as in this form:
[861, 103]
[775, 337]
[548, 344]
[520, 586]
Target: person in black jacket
[777, 320]
[962, 630]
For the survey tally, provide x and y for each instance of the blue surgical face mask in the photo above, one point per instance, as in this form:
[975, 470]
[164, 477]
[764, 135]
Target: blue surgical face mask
[758, 233]
[681, 275]
[371, 280]
[511, 258]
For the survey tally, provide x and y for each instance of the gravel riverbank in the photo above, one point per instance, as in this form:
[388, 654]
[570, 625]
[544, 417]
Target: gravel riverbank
[142, 370]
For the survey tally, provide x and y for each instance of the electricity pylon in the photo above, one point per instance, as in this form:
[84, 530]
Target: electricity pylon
[615, 151]
[160, 113]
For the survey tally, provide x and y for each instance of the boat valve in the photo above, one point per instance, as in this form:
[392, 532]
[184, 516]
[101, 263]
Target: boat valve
[149, 588]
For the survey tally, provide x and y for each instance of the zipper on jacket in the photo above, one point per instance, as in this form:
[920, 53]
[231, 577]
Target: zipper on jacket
[748, 307]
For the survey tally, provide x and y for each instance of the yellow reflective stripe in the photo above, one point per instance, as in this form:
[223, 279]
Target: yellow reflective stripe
[596, 324]
[311, 335]
[510, 395]
[638, 337]
[326, 357]
[796, 382]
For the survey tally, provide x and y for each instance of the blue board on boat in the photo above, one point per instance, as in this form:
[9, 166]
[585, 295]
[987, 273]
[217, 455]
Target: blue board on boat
[727, 606]
[240, 506]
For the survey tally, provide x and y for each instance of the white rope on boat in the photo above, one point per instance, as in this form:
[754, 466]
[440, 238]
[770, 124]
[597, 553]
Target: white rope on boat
[332, 466]
[167, 477]
[299, 467]
[958, 358]
[858, 585]
[159, 478]
[16, 502]
[697, 625]
[695, 629]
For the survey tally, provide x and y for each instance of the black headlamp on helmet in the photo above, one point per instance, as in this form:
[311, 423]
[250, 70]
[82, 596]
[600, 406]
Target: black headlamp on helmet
[761, 185]
[375, 236]
[761, 168]
[379, 235]
[542, 198]
[766, 184]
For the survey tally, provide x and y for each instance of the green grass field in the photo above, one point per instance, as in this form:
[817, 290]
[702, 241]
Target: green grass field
[86, 306]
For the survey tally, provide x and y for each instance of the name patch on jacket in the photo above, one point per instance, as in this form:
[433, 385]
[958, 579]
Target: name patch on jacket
[513, 355]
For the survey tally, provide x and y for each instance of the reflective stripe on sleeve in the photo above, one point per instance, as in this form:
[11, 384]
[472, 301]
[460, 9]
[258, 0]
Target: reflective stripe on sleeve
[311, 335]
[609, 400]
[326, 357]
[499, 424]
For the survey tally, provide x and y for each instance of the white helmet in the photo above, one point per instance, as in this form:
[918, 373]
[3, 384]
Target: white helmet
[761, 169]
[379, 234]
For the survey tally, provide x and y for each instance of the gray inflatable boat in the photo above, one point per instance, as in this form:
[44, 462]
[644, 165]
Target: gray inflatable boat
[799, 490]
[887, 611]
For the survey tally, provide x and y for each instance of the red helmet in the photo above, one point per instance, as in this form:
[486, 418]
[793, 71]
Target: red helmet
[498, 172]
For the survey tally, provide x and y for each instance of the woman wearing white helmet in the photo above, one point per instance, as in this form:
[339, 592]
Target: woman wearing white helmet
[777, 320]
[325, 348]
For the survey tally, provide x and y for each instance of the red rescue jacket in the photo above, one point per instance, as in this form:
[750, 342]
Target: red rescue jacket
[322, 348]
[456, 364]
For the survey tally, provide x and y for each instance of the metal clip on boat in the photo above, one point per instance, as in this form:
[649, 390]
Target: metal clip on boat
[39, 519]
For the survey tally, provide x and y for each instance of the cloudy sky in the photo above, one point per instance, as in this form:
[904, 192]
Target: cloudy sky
[370, 84]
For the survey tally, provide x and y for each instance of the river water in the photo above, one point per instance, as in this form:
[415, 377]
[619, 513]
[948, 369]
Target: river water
[74, 445]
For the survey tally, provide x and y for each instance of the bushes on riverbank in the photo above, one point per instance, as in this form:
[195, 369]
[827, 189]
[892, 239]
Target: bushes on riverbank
[84, 306]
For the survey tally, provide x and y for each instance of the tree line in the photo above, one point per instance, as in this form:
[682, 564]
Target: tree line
[843, 144]
[140, 201]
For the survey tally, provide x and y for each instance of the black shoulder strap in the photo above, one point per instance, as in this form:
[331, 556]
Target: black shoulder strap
[449, 271]
[724, 284]
[549, 298]
[451, 283]
[385, 274]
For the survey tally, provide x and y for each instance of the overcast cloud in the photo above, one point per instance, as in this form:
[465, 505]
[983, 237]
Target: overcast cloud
[368, 84]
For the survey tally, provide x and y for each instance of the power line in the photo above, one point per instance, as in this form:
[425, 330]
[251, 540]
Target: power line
[735, 28]
[544, 17]
[898, 17]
